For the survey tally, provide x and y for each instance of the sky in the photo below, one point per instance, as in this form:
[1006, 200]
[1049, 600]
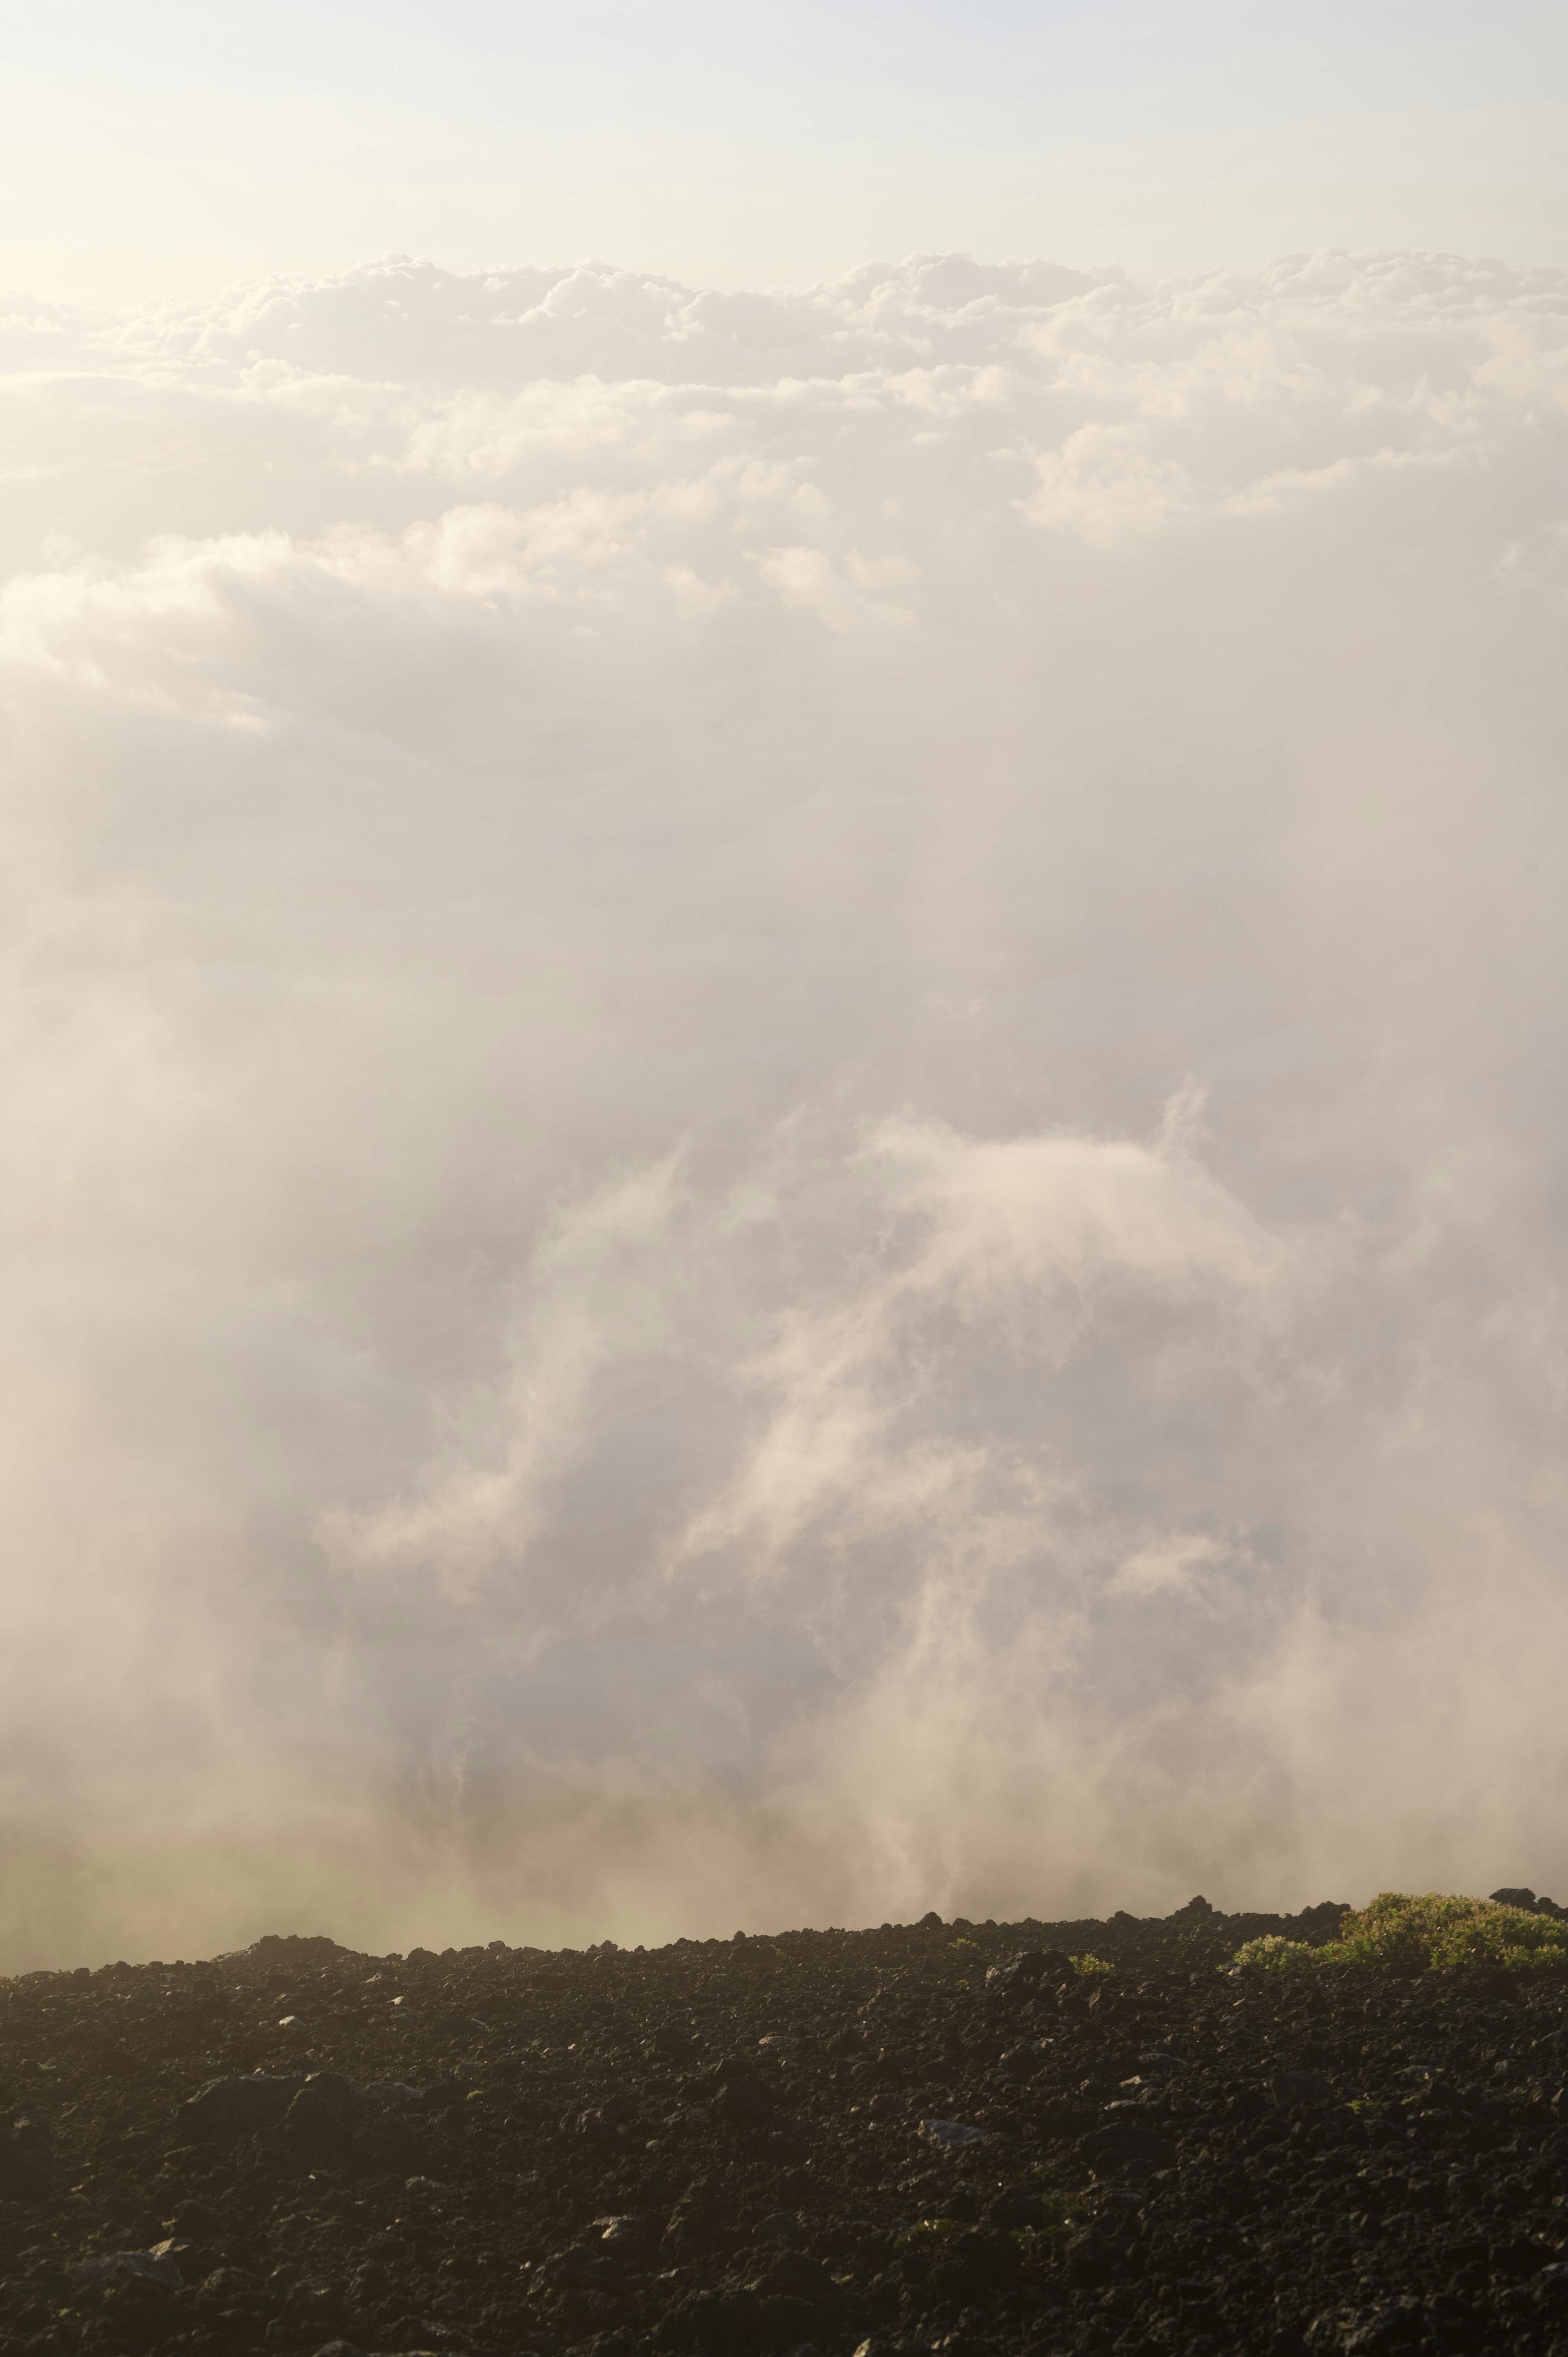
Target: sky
[155, 149]
[781, 1037]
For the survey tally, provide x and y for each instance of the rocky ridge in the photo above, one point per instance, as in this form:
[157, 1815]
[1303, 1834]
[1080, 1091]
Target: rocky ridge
[936, 2137]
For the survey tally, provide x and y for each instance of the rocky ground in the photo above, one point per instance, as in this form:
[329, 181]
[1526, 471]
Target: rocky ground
[933, 2136]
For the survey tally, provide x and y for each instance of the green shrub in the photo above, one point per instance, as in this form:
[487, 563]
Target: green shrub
[1086, 1966]
[1437, 1929]
[1273, 1954]
[1435, 1932]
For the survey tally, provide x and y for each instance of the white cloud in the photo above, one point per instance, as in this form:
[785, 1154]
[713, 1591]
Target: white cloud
[1175, 1561]
[781, 1085]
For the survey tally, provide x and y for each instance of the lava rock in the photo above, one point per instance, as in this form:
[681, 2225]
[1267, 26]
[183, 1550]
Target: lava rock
[798, 2277]
[951, 2136]
[975, 2263]
[1291, 2087]
[1090, 2260]
[744, 2100]
[1123, 2142]
[714, 2322]
[1017, 2209]
[236, 2107]
[1379, 2331]
[108, 2267]
[27, 2172]
[695, 2226]
[1178, 2155]
[783, 2227]
[326, 2107]
[1550, 2290]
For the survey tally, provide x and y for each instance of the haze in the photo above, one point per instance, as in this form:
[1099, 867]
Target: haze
[783, 1049]
[165, 148]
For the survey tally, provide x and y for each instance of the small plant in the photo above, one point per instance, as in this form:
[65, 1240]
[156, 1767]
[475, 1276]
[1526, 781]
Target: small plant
[1086, 1966]
[1066, 2206]
[931, 2230]
[963, 1943]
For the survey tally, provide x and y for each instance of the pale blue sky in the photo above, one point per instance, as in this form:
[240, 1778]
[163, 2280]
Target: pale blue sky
[168, 145]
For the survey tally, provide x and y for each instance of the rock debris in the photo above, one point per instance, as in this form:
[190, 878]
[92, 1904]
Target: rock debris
[946, 2138]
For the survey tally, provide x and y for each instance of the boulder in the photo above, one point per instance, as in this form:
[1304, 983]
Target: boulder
[1289, 2088]
[28, 2171]
[107, 2268]
[237, 2108]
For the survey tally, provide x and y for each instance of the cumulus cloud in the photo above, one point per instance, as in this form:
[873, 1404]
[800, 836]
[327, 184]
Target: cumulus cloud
[783, 1133]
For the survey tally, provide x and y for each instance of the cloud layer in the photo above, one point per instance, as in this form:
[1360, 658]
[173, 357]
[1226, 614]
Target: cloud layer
[785, 1135]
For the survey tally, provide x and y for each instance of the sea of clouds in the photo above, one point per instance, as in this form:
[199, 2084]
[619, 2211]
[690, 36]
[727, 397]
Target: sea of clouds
[784, 1117]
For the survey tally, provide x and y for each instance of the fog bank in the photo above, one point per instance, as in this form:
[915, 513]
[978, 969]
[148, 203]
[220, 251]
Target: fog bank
[785, 1128]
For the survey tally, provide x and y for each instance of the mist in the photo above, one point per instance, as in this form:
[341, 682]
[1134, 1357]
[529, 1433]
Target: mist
[785, 1135]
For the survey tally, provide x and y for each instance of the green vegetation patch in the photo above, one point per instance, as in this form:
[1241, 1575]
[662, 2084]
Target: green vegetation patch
[1273, 1954]
[1436, 1931]
[1067, 2205]
[931, 2230]
[1086, 1966]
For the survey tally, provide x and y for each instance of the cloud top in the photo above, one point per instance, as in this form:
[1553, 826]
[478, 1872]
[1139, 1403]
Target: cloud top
[782, 1125]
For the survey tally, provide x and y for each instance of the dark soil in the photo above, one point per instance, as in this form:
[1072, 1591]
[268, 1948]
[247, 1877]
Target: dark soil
[718, 2147]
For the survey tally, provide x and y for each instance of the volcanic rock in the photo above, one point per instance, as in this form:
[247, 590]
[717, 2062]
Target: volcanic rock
[823, 2138]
